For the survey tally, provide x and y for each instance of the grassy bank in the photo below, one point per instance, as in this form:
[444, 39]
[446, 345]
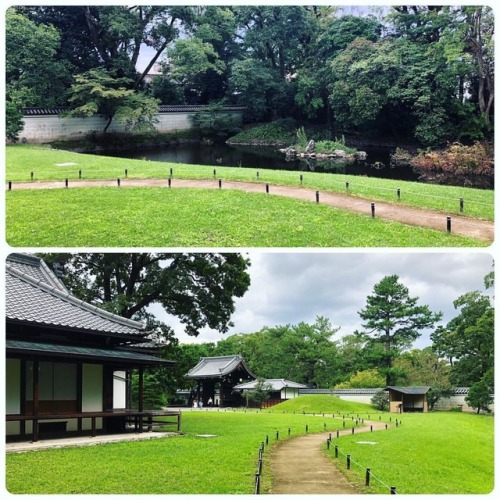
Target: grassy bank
[47, 164]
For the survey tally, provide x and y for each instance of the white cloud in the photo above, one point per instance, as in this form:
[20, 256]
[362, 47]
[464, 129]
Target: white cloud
[290, 287]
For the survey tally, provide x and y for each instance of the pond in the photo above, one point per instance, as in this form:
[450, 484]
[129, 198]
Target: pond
[377, 163]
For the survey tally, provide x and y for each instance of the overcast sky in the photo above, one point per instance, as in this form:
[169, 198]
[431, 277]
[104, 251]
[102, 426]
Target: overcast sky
[287, 288]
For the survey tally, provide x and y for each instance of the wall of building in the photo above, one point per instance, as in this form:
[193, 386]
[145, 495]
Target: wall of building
[48, 128]
[119, 390]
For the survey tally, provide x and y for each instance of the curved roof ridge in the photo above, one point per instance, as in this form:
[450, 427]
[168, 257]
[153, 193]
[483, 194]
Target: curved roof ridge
[66, 296]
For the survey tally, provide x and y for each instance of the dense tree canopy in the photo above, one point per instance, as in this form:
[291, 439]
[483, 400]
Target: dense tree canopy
[197, 288]
[421, 74]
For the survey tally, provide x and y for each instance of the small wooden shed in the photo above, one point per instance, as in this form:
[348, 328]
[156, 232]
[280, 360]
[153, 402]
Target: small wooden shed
[408, 399]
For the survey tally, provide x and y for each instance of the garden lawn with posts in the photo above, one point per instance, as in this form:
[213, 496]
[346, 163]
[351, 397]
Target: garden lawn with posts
[446, 452]
[151, 217]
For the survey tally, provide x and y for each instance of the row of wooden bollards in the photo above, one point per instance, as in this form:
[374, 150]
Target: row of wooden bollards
[368, 473]
[169, 181]
[301, 179]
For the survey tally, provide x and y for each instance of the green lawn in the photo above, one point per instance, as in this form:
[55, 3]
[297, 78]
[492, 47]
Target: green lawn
[445, 453]
[162, 217]
[225, 464]
[431, 453]
[22, 160]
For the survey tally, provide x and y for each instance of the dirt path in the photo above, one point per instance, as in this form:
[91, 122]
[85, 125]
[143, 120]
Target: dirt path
[298, 466]
[460, 225]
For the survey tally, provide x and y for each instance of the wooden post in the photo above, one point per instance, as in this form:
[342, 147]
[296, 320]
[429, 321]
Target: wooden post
[373, 209]
[36, 394]
[317, 196]
[141, 395]
[336, 451]
[461, 205]
[399, 194]
[367, 478]
[267, 188]
[220, 183]
[393, 490]
[448, 224]
[348, 462]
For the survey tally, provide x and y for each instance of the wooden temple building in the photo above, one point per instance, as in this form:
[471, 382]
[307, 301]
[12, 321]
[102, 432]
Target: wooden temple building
[69, 363]
[216, 378]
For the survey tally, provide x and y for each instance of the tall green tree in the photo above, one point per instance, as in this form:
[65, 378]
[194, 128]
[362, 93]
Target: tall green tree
[34, 75]
[97, 92]
[393, 320]
[305, 353]
[467, 341]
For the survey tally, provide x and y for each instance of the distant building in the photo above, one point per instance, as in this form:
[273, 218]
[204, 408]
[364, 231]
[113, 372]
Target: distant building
[282, 390]
[216, 378]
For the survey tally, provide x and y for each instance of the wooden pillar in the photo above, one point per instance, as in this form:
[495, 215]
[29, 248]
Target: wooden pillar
[22, 402]
[36, 396]
[221, 394]
[79, 392]
[141, 395]
[141, 389]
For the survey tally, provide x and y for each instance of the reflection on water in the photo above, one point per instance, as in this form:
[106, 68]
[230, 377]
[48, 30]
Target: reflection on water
[376, 164]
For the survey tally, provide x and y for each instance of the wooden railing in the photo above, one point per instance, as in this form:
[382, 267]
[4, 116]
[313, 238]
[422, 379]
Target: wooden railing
[140, 419]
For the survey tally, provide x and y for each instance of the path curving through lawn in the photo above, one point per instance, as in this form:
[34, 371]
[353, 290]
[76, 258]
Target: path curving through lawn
[463, 226]
[298, 466]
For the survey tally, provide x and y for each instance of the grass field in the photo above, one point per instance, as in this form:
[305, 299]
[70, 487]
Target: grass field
[159, 217]
[225, 464]
[22, 160]
[429, 453]
[445, 453]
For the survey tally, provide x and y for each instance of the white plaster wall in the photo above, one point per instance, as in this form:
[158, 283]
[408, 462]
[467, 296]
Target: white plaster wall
[119, 390]
[47, 128]
[288, 393]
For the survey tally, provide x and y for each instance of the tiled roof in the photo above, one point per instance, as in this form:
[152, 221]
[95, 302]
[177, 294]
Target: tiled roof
[410, 390]
[165, 108]
[339, 392]
[36, 268]
[217, 367]
[277, 384]
[39, 348]
[38, 301]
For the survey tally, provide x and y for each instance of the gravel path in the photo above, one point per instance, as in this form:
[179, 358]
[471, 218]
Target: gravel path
[460, 225]
[298, 466]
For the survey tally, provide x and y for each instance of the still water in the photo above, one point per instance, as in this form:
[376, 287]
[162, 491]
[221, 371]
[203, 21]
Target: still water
[377, 163]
